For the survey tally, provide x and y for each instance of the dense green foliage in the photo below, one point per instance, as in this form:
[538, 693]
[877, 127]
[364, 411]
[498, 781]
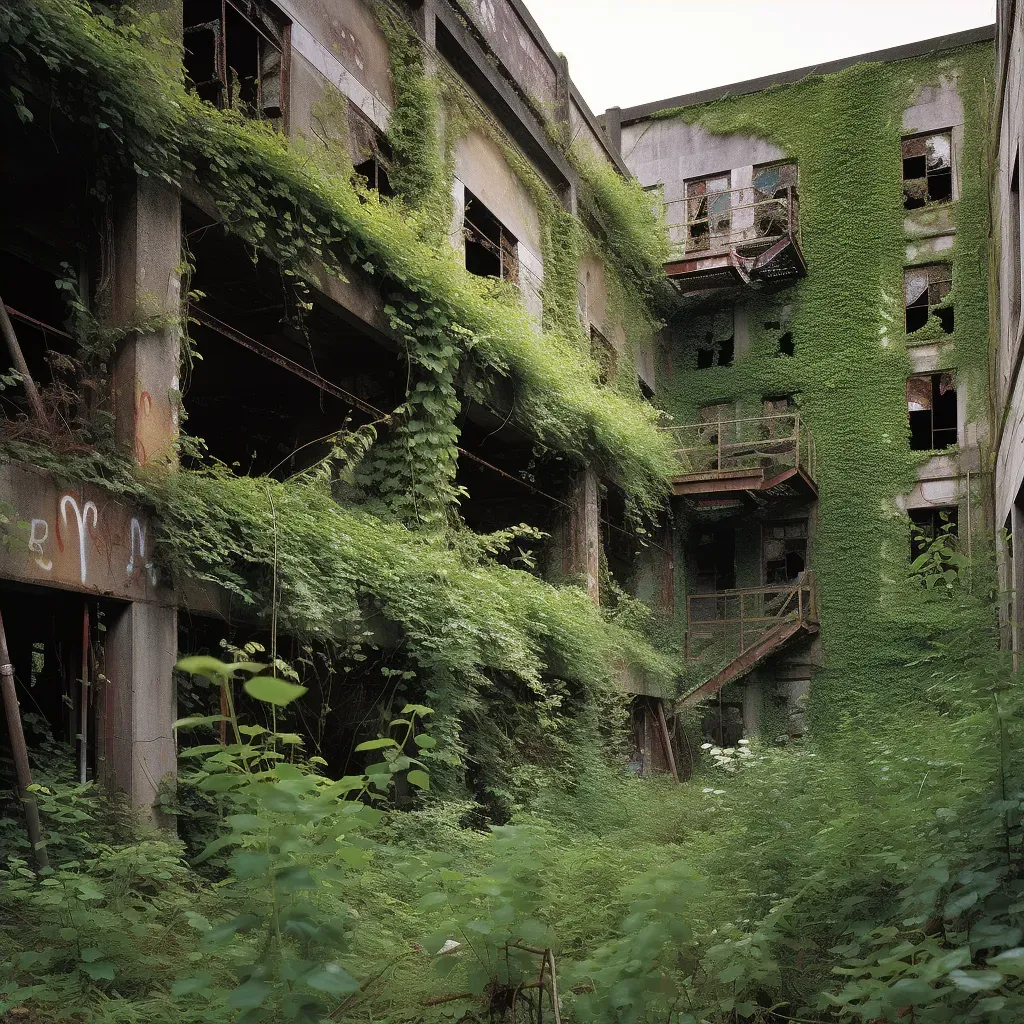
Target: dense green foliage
[872, 873]
[850, 360]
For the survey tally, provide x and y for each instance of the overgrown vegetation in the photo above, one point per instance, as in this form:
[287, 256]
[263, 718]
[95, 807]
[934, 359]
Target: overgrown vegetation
[870, 874]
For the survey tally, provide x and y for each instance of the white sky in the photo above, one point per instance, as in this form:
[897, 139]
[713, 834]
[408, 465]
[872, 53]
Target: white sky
[625, 52]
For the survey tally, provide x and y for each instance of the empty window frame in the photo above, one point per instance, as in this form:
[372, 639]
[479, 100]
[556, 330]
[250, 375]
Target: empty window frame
[784, 551]
[926, 294]
[714, 338]
[928, 523]
[927, 170]
[932, 410]
[602, 352]
[708, 213]
[234, 54]
[774, 199]
[375, 173]
[491, 249]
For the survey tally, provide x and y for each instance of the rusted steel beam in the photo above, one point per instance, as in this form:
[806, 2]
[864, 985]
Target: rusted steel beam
[20, 751]
[18, 358]
[666, 740]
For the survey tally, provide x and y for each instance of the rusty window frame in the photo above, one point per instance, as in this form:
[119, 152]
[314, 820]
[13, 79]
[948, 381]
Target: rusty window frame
[925, 289]
[937, 167]
[271, 27]
[924, 391]
[505, 248]
[708, 210]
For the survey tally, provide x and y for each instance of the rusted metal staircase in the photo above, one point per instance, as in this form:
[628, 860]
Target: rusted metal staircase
[732, 631]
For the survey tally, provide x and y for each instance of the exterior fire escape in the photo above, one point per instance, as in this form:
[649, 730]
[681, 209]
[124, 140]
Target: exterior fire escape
[745, 465]
[734, 237]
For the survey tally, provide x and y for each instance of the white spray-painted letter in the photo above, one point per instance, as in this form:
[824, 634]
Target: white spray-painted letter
[81, 518]
[35, 543]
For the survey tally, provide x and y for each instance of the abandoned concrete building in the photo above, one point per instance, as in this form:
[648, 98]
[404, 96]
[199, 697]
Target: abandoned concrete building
[816, 352]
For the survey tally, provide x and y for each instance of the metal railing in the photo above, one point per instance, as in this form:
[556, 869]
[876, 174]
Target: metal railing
[735, 219]
[771, 443]
[727, 623]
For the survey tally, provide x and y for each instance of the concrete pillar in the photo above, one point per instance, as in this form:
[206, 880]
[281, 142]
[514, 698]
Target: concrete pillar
[146, 284]
[581, 550]
[613, 128]
[142, 644]
[141, 703]
[752, 708]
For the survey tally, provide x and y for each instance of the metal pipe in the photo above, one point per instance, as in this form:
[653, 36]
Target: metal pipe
[18, 357]
[20, 751]
[83, 709]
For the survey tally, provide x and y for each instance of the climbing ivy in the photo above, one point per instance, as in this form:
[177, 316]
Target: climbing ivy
[850, 357]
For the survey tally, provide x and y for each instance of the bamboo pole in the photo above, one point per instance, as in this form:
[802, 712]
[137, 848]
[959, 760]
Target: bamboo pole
[18, 357]
[20, 751]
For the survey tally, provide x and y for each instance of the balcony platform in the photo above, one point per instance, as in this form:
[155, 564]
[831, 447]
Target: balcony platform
[722, 472]
[716, 253]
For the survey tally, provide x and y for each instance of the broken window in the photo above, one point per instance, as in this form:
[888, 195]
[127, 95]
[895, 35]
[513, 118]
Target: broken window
[715, 338]
[932, 408]
[784, 551]
[927, 294]
[774, 188]
[234, 54]
[708, 213]
[927, 170]
[491, 249]
[604, 356]
[928, 523]
[375, 174]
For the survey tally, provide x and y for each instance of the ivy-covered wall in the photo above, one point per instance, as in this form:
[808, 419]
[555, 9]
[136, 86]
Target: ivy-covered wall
[509, 698]
[845, 354]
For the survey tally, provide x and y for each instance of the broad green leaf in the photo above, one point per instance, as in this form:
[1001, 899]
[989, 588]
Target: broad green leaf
[250, 995]
[187, 986]
[976, 981]
[419, 779]
[273, 691]
[377, 744]
[331, 978]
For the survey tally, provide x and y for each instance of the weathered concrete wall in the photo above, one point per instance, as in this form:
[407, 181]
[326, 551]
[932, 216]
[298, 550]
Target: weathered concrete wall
[504, 27]
[338, 43]
[481, 167]
[669, 152]
[78, 538]
[1009, 472]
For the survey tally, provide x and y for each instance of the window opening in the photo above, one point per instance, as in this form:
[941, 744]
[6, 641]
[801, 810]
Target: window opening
[927, 170]
[715, 339]
[646, 391]
[932, 409]
[708, 212]
[784, 551]
[928, 523]
[603, 355]
[927, 294]
[234, 54]
[773, 185]
[376, 176]
[491, 249]
[714, 558]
